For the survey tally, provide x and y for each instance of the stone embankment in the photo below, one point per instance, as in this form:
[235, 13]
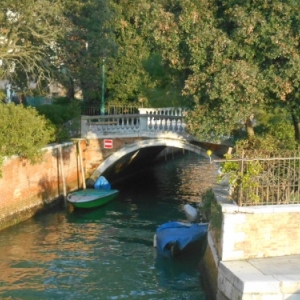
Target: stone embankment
[255, 252]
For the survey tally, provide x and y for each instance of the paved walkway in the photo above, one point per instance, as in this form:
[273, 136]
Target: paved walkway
[263, 278]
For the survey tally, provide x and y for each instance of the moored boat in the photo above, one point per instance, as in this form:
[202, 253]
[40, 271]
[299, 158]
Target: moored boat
[174, 238]
[90, 198]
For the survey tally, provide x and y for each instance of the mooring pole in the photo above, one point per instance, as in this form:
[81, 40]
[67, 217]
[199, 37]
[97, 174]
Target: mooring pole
[61, 165]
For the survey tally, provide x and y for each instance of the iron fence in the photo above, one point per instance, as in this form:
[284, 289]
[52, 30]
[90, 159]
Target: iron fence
[265, 181]
[110, 109]
[38, 101]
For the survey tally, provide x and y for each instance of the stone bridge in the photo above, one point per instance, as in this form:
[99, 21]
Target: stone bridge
[132, 141]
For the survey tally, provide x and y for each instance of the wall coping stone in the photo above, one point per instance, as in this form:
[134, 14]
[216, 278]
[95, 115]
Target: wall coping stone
[262, 278]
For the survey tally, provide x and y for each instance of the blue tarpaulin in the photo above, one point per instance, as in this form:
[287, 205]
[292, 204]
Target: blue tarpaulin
[102, 184]
[179, 234]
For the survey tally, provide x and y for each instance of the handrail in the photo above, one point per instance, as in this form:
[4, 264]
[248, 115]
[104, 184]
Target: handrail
[132, 116]
[102, 124]
[265, 181]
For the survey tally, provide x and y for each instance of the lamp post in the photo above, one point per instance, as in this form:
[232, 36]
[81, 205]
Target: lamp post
[209, 153]
[102, 108]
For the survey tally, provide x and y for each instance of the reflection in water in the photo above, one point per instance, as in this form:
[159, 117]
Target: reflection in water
[106, 253]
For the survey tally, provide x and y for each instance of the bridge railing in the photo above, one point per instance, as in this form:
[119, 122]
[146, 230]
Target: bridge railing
[120, 109]
[168, 111]
[105, 124]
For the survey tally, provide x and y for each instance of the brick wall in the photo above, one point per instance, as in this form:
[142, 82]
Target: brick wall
[94, 152]
[26, 188]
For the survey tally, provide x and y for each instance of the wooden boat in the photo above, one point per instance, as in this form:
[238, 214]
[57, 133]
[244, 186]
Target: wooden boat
[174, 238]
[90, 198]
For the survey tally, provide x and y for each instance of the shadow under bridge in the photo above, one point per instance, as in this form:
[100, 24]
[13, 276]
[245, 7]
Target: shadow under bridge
[137, 156]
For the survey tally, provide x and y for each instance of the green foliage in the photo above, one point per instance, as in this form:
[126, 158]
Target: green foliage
[29, 31]
[2, 96]
[247, 59]
[207, 199]
[216, 218]
[266, 142]
[213, 209]
[23, 132]
[226, 59]
[208, 124]
[244, 178]
[276, 128]
[64, 116]
[89, 41]
[244, 175]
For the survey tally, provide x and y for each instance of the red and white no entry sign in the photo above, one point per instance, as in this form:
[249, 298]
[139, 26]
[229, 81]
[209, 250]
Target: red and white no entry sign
[108, 144]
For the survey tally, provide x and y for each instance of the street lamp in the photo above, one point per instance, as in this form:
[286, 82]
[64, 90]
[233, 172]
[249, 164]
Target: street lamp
[102, 108]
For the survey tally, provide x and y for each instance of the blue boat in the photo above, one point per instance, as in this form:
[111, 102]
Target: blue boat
[173, 238]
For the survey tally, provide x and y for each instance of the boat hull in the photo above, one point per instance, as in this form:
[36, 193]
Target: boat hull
[90, 198]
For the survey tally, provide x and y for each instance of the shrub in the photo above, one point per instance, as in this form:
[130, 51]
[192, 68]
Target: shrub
[23, 132]
[2, 96]
[267, 145]
[65, 117]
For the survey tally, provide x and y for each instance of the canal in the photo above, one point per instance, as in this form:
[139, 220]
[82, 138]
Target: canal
[108, 253]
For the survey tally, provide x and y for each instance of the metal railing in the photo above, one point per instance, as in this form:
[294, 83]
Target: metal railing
[38, 101]
[110, 109]
[266, 181]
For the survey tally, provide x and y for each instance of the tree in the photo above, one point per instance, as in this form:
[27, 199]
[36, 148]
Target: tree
[143, 68]
[28, 39]
[86, 45]
[252, 63]
[127, 78]
[271, 31]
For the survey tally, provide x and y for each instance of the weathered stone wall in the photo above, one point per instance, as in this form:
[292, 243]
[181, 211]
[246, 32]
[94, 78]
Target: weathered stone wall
[27, 188]
[256, 232]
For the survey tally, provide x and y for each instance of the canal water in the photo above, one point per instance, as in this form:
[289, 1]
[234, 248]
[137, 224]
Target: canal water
[107, 253]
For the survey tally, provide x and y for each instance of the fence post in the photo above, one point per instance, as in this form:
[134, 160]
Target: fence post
[241, 185]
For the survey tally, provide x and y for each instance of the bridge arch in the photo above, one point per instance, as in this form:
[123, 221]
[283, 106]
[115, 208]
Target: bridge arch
[131, 151]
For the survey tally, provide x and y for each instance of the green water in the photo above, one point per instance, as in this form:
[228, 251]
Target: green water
[106, 253]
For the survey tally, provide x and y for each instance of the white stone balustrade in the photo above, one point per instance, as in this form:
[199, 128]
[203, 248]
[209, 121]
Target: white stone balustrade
[148, 120]
[168, 111]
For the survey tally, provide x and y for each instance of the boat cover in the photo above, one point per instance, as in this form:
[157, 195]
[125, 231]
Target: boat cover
[178, 233]
[102, 184]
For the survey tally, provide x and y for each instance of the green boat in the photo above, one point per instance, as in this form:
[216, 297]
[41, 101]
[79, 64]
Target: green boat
[90, 198]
